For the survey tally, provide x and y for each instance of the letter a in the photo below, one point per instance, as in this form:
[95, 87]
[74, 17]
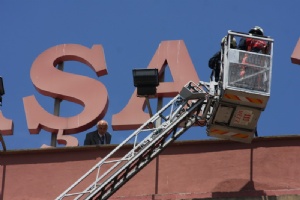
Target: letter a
[175, 54]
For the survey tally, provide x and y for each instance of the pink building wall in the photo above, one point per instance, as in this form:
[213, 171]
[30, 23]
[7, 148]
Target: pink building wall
[186, 169]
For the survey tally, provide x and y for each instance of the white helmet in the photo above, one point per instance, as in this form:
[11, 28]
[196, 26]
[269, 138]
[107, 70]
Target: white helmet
[232, 42]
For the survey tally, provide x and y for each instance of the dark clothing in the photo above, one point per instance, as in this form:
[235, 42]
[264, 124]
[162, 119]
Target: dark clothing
[93, 138]
[215, 64]
[242, 44]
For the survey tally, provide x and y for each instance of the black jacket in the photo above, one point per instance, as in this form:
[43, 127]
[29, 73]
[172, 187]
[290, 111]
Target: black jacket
[93, 138]
[215, 64]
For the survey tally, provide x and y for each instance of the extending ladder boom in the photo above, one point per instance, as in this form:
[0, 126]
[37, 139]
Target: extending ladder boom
[181, 113]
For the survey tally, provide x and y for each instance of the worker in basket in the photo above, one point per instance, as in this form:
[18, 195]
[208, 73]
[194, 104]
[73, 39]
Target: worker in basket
[253, 63]
[215, 61]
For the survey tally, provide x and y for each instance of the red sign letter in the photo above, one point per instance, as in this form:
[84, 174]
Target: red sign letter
[296, 54]
[54, 83]
[6, 125]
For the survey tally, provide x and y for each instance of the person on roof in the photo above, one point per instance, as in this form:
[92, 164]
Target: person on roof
[99, 136]
[215, 61]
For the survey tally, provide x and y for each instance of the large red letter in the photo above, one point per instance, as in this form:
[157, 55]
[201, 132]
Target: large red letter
[52, 82]
[173, 53]
[296, 54]
[6, 125]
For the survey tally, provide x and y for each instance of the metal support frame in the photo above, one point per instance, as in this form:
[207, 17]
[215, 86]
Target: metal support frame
[149, 106]
[2, 142]
[2, 92]
[56, 109]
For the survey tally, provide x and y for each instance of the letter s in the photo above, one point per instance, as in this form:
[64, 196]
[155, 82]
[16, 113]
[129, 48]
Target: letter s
[52, 82]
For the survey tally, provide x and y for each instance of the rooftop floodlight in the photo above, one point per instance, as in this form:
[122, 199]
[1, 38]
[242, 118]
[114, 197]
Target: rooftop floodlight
[146, 81]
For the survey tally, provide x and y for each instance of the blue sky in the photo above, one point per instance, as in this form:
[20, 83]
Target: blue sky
[130, 32]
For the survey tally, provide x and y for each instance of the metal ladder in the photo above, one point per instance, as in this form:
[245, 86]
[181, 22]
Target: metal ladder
[181, 113]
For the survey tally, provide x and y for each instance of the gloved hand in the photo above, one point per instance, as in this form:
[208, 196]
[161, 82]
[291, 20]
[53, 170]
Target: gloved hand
[242, 73]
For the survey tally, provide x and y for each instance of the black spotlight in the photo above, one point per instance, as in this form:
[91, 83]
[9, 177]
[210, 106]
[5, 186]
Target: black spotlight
[146, 81]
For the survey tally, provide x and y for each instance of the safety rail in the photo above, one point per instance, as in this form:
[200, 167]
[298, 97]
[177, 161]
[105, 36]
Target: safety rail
[248, 70]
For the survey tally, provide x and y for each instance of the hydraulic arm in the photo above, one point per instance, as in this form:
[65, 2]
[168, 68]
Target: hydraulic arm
[181, 113]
